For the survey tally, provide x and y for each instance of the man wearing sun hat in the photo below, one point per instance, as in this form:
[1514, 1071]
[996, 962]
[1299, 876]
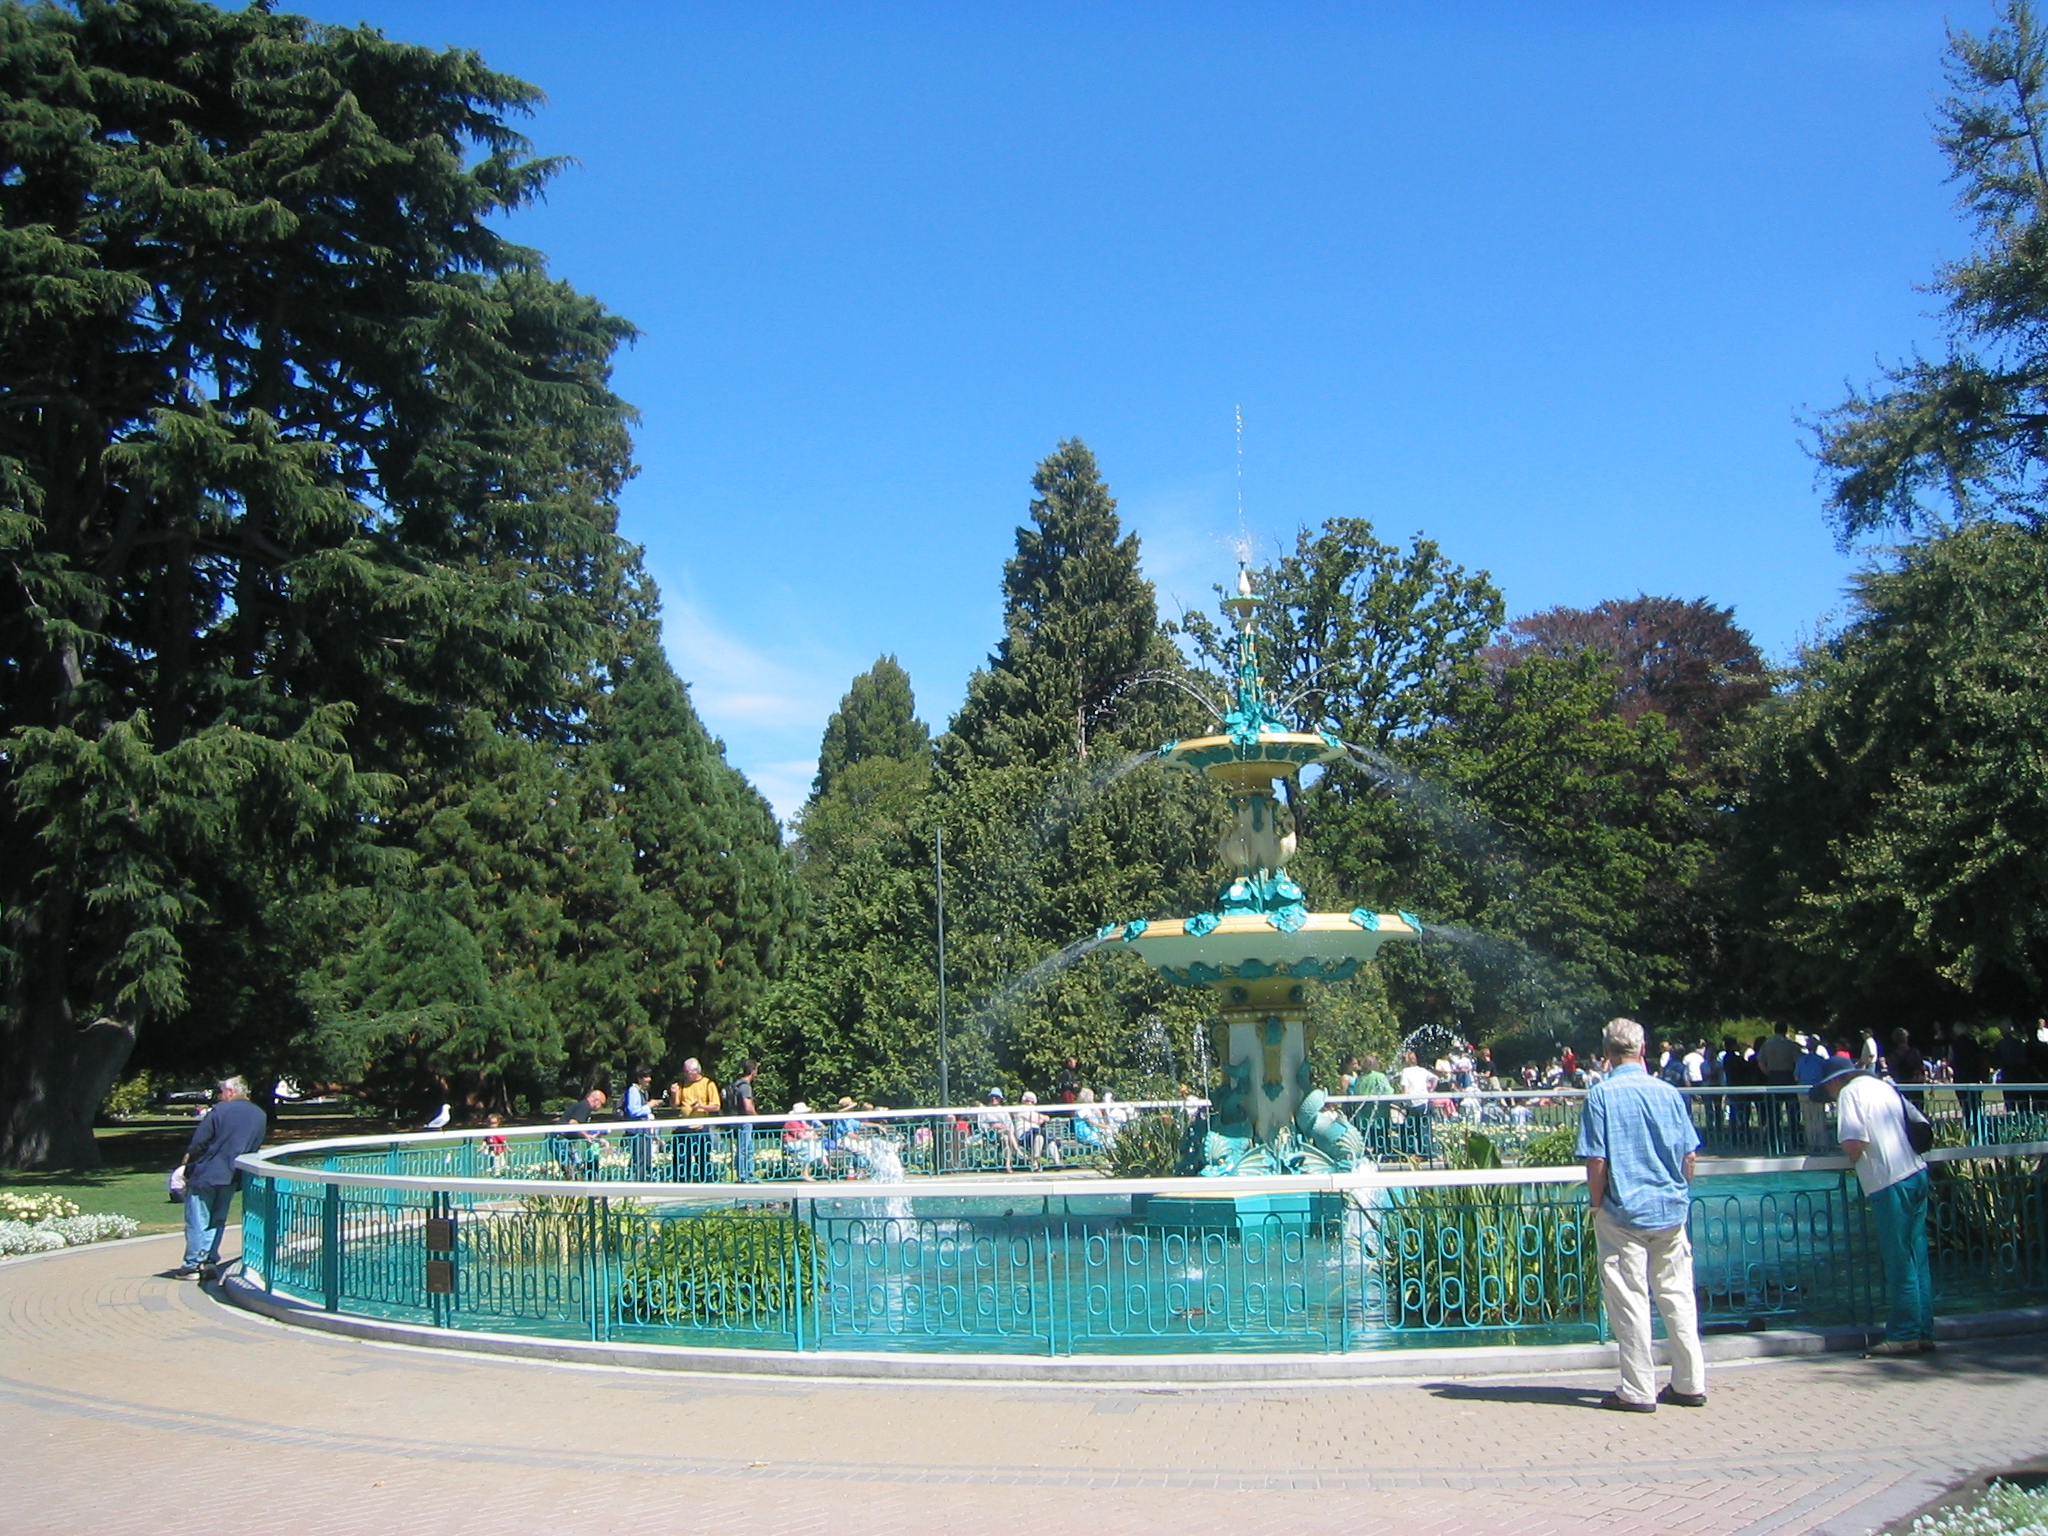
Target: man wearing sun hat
[1870, 1122]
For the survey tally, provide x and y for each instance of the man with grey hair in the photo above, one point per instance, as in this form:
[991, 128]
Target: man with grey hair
[232, 1128]
[1638, 1141]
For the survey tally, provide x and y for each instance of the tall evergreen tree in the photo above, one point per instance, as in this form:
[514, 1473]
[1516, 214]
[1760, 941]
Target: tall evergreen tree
[877, 718]
[1080, 627]
[303, 464]
[705, 844]
[1964, 436]
[1049, 834]
[856, 1012]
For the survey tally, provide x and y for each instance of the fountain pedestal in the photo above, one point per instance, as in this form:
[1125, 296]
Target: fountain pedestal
[1261, 949]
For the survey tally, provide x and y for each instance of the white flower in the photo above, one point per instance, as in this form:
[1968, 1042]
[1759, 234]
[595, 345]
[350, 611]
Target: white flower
[90, 1229]
[18, 1237]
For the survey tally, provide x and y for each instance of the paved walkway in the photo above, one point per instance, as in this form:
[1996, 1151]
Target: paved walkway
[132, 1404]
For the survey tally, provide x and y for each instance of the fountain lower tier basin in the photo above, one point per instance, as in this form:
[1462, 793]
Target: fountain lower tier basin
[1263, 953]
[1309, 1208]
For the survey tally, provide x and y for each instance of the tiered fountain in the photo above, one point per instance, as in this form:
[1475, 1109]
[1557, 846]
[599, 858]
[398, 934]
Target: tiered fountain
[1261, 948]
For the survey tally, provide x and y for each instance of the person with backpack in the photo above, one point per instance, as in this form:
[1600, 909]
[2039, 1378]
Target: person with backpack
[1873, 1124]
[738, 1099]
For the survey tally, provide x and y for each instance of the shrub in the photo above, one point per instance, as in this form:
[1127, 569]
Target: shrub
[130, 1098]
[1153, 1146]
[18, 1237]
[2002, 1510]
[77, 1230]
[726, 1267]
[1557, 1147]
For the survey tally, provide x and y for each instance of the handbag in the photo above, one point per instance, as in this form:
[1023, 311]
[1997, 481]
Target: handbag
[176, 1184]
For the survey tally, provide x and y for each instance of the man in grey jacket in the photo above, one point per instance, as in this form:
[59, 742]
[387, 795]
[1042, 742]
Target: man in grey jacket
[233, 1127]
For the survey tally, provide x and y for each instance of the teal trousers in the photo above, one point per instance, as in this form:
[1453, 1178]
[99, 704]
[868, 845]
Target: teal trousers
[1900, 1212]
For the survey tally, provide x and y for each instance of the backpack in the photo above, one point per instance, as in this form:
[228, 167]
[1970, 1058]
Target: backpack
[1919, 1129]
[736, 1097]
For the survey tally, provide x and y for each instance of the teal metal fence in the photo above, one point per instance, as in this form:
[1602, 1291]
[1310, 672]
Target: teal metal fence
[1732, 1122]
[1088, 1266]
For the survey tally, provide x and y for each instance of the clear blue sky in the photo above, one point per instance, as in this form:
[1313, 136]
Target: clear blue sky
[1553, 284]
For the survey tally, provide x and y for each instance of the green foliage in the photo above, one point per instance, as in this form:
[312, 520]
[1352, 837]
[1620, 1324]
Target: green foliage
[1490, 1255]
[1896, 809]
[1080, 630]
[1048, 836]
[1987, 1206]
[317, 604]
[876, 719]
[1477, 1151]
[130, 1097]
[1153, 1146]
[1370, 643]
[1557, 1147]
[729, 1267]
[1690, 662]
[1957, 438]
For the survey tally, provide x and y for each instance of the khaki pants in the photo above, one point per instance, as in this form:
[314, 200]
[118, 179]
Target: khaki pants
[1634, 1267]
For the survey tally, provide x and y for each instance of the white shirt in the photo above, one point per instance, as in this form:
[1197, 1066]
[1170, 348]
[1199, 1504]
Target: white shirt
[1872, 1112]
[1416, 1083]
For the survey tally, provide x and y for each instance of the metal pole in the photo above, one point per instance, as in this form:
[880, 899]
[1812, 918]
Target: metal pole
[939, 862]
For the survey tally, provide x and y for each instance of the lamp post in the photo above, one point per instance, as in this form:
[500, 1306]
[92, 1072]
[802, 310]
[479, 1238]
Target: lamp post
[939, 864]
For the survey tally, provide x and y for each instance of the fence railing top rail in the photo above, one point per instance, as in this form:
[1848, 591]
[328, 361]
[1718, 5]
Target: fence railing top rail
[1716, 1090]
[967, 1186]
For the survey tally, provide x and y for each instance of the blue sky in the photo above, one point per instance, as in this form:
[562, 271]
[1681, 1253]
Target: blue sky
[1553, 284]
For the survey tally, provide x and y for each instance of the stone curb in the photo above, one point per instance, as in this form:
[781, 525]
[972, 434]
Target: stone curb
[1083, 1371]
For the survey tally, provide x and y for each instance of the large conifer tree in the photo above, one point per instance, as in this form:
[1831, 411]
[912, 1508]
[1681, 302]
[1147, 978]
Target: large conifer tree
[306, 508]
[1049, 832]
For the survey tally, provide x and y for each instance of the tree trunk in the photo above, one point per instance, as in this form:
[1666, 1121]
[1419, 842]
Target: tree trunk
[57, 1075]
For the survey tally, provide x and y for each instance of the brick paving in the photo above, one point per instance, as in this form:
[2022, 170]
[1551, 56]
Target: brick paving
[133, 1404]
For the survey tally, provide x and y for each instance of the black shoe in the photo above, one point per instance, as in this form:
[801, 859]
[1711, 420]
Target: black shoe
[1892, 1347]
[209, 1272]
[1620, 1404]
[182, 1272]
[1927, 1346]
[1680, 1399]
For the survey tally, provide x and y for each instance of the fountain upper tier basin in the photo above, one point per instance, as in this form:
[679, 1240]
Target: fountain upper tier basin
[1263, 948]
[1251, 761]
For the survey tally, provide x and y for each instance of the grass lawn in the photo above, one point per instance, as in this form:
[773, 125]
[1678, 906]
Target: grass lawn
[136, 1159]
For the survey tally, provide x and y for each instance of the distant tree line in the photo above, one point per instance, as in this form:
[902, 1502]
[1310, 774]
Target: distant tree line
[337, 740]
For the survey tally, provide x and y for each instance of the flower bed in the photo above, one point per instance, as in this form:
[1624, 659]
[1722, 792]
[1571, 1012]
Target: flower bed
[41, 1223]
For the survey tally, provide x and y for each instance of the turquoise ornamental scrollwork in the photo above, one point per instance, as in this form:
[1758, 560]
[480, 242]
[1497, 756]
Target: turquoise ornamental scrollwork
[1201, 924]
[1369, 921]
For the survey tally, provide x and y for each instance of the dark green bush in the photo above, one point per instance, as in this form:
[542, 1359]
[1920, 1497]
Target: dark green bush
[730, 1268]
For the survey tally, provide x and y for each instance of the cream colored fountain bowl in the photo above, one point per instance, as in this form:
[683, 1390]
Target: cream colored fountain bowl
[1250, 954]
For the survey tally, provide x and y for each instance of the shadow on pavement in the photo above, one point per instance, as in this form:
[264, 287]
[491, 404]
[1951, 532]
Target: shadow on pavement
[1555, 1397]
[1981, 1359]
